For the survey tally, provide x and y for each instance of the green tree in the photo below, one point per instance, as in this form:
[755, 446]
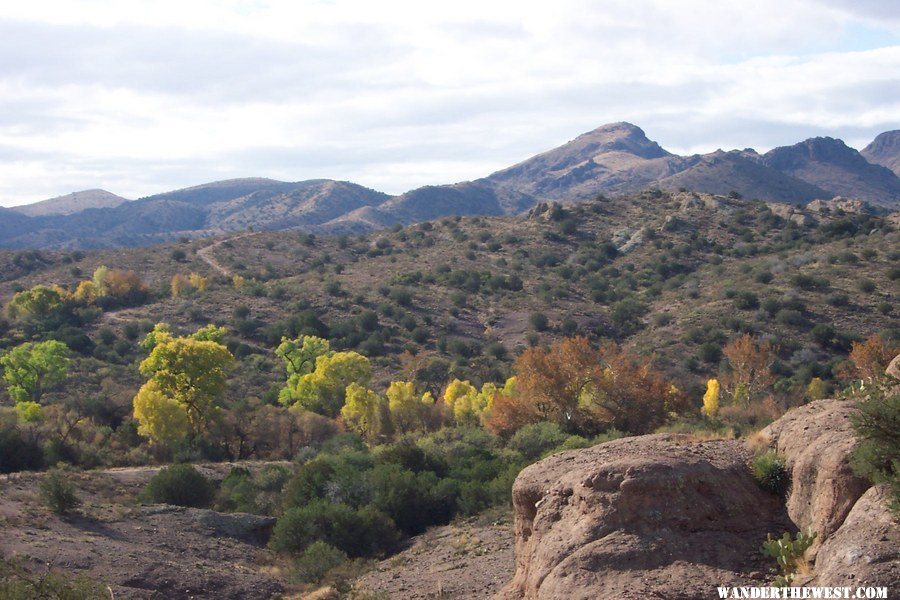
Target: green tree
[40, 301]
[32, 368]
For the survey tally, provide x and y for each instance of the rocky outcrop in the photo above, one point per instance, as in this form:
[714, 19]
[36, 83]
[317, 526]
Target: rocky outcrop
[253, 529]
[865, 550]
[816, 441]
[893, 369]
[635, 517]
[669, 517]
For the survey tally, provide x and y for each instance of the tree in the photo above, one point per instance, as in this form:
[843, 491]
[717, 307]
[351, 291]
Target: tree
[322, 390]
[409, 411]
[554, 380]
[361, 411]
[711, 399]
[750, 363]
[160, 418]
[186, 371]
[631, 395]
[32, 368]
[39, 301]
[870, 358]
[817, 389]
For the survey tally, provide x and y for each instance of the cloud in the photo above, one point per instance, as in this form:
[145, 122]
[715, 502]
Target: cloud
[142, 98]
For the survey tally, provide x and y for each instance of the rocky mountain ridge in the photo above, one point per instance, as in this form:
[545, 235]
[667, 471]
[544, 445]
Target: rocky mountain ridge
[611, 160]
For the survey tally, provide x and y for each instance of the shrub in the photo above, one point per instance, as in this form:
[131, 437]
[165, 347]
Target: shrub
[182, 485]
[539, 321]
[746, 301]
[366, 532]
[316, 561]
[877, 458]
[58, 494]
[532, 441]
[770, 472]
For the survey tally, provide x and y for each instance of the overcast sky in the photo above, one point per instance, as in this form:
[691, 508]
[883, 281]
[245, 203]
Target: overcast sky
[143, 97]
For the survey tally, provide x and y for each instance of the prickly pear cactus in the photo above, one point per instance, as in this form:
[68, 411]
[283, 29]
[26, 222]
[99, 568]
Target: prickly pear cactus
[788, 552]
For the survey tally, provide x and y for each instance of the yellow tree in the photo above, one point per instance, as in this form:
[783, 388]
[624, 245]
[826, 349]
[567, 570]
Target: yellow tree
[186, 371]
[362, 411]
[711, 399]
[408, 410]
[160, 418]
[323, 390]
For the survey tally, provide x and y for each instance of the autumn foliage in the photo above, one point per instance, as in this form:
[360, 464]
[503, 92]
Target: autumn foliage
[749, 373]
[869, 359]
[587, 390]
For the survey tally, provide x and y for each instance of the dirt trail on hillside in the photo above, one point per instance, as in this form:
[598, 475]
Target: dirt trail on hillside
[206, 256]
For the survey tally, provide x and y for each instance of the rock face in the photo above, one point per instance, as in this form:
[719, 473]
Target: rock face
[816, 440]
[865, 551]
[641, 516]
[662, 516]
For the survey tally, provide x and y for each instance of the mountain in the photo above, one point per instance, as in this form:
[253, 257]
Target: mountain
[432, 202]
[612, 160]
[741, 171]
[832, 165]
[208, 209]
[885, 151]
[71, 203]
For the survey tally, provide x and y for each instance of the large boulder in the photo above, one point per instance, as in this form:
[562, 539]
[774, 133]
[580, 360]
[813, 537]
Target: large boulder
[865, 551]
[817, 440]
[650, 516]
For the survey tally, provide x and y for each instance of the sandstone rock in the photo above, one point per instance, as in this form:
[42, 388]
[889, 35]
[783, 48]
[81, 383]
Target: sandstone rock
[865, 551]
[650, 516]
[816, 441]
[893, 369]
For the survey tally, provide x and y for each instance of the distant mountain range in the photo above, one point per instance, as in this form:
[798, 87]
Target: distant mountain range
[612, 160]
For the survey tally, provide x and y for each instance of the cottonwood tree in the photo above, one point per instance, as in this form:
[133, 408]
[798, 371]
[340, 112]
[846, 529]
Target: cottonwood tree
[33, 368]
[186, 382]
[318, 377]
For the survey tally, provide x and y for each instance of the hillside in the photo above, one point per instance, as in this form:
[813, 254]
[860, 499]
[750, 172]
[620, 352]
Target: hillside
[71, 203]
[885, 151]
[465, 290]
[612, 160]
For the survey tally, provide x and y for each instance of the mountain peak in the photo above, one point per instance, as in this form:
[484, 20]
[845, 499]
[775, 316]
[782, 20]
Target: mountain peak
[885, 151]
[71, 203]
[622, 137]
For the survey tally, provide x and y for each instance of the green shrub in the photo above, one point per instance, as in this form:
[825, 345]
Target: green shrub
[316, 561]
[366, 532]
[877, 457]
[770, 472]
[58, 494]
[182, 485]
[533, 441]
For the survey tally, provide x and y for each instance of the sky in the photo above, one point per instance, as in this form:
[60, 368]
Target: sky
[144, 97]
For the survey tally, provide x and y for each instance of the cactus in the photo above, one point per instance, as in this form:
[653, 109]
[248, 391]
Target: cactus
[788, 552]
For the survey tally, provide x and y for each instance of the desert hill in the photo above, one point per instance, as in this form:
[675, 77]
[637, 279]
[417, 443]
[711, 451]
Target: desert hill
[71, 203]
